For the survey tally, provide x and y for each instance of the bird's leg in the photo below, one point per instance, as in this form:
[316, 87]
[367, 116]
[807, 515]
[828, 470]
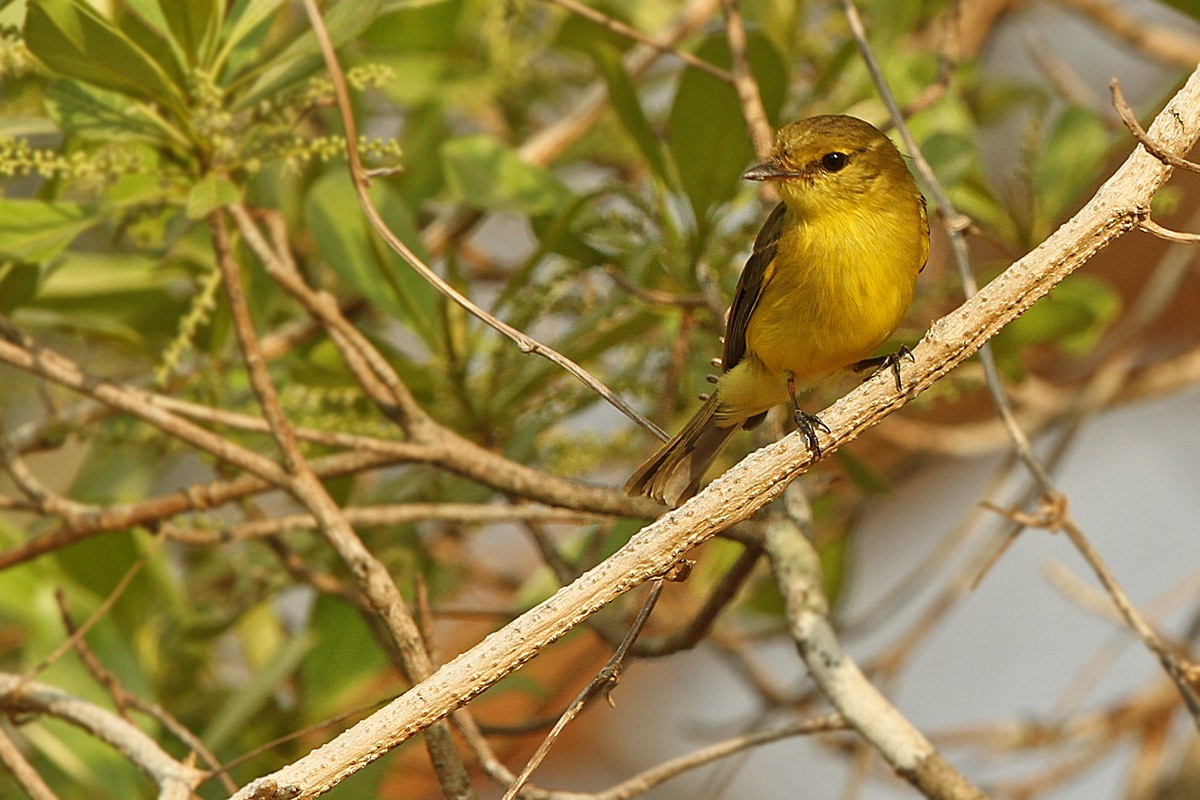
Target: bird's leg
[806, 423]
[890, 361]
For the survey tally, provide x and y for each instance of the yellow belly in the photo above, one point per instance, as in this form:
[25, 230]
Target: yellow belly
[833, 299]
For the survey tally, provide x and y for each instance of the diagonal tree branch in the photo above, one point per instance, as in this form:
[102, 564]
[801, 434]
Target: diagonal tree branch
[761, 477]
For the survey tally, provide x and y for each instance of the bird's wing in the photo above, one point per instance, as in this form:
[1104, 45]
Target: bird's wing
[755, 276]
[921, 210]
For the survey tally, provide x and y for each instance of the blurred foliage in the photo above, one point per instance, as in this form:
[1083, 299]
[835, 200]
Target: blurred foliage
[123, 129]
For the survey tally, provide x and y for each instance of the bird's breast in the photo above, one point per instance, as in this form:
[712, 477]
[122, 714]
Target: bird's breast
[838, 288]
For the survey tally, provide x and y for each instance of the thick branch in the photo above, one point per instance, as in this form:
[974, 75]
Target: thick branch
[797, 570]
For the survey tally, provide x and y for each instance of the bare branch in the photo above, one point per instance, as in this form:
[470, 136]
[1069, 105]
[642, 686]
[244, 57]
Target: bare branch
[1150, 226]
[744, 83]
[604, 682]
[798, 572]
[379, 516]
[643, 782]
[448, 450]
[175, 781]
[27, 356]
[1139, 133]
[97, 615]
[199, 497]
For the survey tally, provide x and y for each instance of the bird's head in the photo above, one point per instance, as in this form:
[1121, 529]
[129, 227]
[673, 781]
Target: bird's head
[832, 162]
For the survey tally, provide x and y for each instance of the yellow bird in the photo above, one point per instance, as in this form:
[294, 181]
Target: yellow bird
[831, 276]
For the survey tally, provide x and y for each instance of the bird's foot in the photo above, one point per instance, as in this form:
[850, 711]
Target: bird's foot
[890, 361]
[807, 424]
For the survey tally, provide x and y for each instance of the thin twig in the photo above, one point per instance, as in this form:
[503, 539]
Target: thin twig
[604, 682]
[196, 498]
[1088, 676]
[361, 182]
[384, 387]
[266, 747]
[1177, 670]
[1055, 516]
[89, 660]
[1139, 133]
[97, 615]
[378, 516]
[46, 363]
[124, 699]
[687, 636]
[744, 83]
[654, 296]
[667, 48]
[1051, 498]
[1150, 226]
[22, 772]
[645, 781]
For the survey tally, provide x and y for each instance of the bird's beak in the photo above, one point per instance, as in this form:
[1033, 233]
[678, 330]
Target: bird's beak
[769, 171]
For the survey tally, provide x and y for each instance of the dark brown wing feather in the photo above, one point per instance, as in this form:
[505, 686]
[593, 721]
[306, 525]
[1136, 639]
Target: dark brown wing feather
[750, 288]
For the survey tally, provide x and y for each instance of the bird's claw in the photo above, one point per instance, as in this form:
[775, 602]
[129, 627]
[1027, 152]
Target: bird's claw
[890, 361]
[807, 424]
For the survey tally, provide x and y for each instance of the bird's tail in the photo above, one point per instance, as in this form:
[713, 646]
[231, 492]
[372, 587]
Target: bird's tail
[673, 474]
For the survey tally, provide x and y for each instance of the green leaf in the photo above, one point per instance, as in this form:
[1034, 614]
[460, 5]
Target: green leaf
[327, 674]
[363, 260]
[124, 296]
[565, 231]
[140, 188]
[974, 197]
[1189, 7]
[192, 24]
[344, 21]
[18, 284]
[1067, 164]
[951, 155]
[425, 27]
[426, 130]
[144, 25]
[94, 113]
[247, 23]
[70, 38]
[32, 230]
[706, 133]
[835, 556]
[862, 474]
[212, 192]
[1073, 316]
[485, 173]
[624, 98]
[264, 682]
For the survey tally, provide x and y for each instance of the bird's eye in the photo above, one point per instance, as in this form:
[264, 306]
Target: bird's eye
[834, 162]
